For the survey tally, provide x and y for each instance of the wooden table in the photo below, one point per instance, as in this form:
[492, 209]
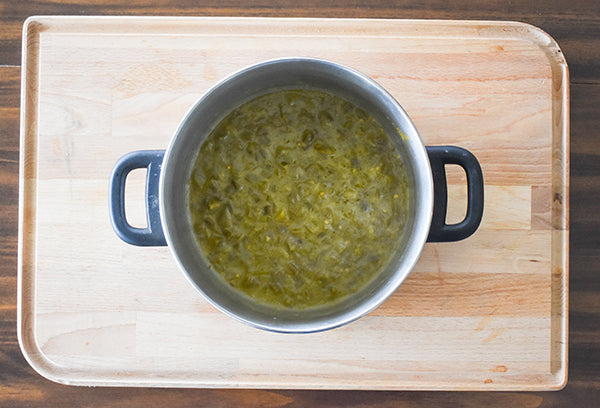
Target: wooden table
[574, 26]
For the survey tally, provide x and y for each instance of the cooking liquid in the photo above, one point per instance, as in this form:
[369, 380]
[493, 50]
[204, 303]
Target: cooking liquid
[298, 198]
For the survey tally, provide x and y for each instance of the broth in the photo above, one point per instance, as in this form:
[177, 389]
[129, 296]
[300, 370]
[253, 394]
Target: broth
[298, 198]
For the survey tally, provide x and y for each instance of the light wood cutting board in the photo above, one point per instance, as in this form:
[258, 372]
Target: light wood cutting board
[486, 313]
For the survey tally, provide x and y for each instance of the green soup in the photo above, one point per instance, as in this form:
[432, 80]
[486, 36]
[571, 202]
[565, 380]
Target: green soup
[298, 198]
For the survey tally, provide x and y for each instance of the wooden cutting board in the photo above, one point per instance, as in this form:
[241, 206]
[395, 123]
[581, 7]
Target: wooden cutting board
[486, 313]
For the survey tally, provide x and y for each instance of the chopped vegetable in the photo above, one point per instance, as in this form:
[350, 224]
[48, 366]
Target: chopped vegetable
[298, 198]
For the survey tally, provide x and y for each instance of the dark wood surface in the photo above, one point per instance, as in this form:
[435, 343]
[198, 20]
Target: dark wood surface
[575, 24]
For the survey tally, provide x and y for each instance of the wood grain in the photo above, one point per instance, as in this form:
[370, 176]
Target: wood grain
[97, 88]
[573, 24]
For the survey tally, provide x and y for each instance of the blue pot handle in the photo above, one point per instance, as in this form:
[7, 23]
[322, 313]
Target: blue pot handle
[152, 235]
[439, 156]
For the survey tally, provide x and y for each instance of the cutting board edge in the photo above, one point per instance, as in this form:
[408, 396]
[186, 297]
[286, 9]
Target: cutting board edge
[26, 330]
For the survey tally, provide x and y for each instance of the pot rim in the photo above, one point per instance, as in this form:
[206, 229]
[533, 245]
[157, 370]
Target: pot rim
[413, 249]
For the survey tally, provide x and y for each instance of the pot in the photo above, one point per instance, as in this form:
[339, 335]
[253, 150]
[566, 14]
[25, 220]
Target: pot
[167, 191]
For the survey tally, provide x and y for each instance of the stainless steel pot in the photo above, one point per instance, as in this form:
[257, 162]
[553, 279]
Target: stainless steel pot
[169, 171]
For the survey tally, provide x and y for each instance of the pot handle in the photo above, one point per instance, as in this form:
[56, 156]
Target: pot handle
[153, 234]
[439, 156]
